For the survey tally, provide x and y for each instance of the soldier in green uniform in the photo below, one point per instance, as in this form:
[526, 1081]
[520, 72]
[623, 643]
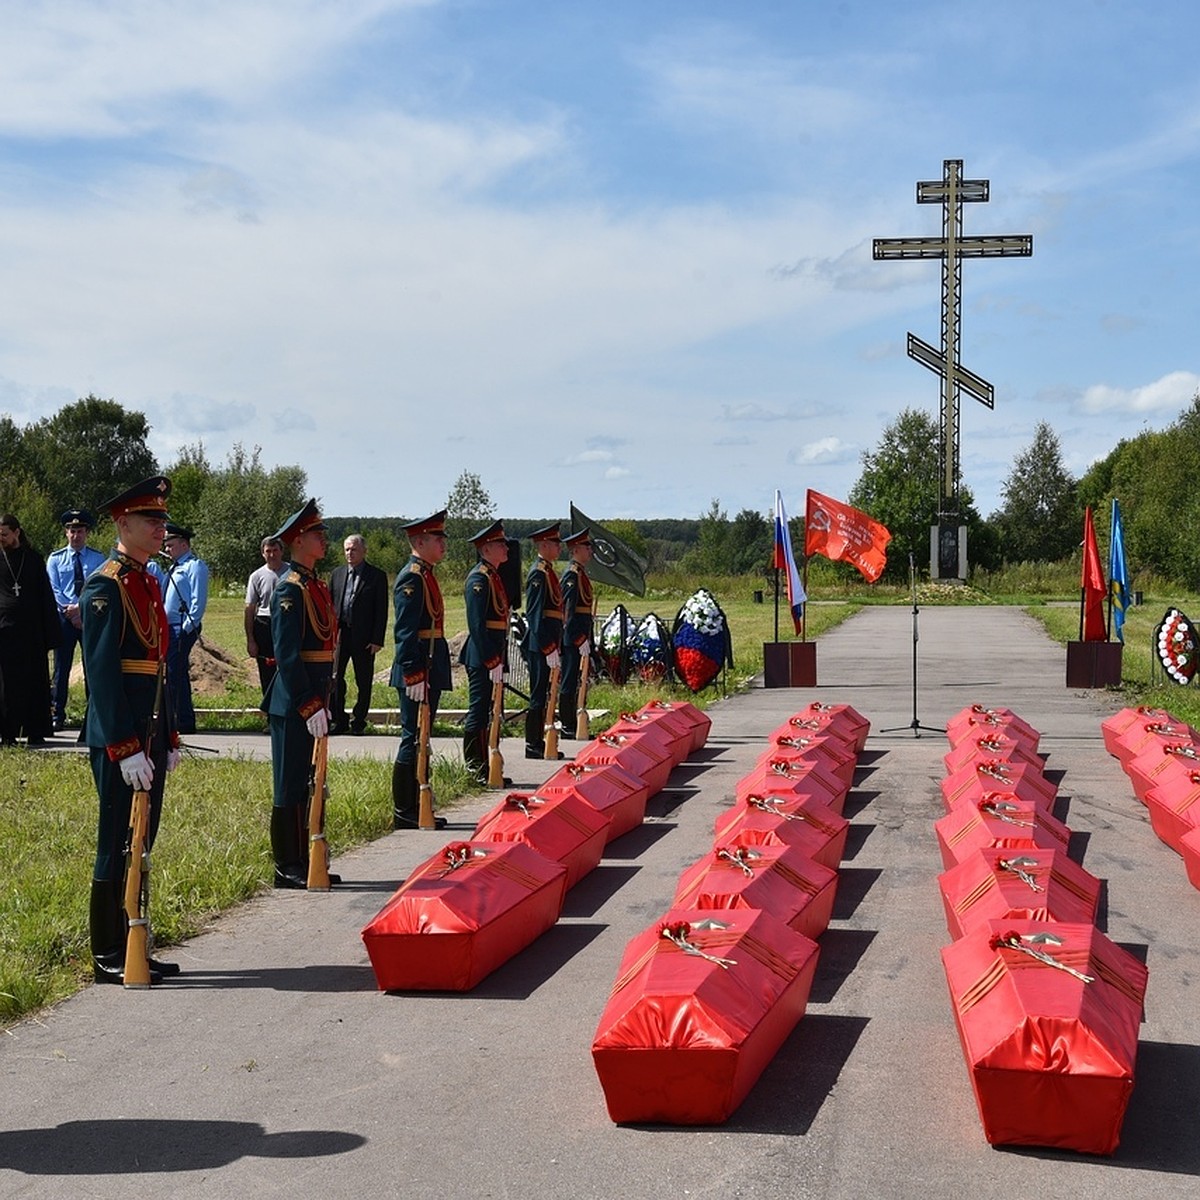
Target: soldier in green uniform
[487, 638]
[421, 666]
[127, 725]
[543, 633]
[578, 617]
[304, 631]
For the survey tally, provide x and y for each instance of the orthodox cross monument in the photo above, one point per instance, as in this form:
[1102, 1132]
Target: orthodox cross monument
[948, 556]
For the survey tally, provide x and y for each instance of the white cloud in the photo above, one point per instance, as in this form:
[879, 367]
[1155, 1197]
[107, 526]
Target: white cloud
[824, 451]
[1170, 394]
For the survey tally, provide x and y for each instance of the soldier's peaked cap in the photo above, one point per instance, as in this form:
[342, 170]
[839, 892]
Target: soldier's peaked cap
[547, 533]
[434, 523]
[300, 522]
[581, 537]
[489, 533]
[148, 497]
[76, 518]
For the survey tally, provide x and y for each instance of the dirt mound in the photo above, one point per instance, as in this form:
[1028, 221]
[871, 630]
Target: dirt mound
[212, 668]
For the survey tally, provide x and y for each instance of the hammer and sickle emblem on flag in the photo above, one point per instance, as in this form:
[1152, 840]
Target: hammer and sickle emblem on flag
[821, 520]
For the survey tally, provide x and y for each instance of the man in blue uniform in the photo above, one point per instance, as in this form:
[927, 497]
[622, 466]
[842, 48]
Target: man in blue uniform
[421, 667]
[304, 633]
[578, 618]
[68, 568]
[185, 596]
[127, 726]
[543, 633]
[487, 638]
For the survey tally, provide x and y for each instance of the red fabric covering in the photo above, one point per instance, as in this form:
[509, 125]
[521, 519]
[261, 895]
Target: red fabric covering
[999, 822]
[674, 736]
[1174, 808]
[698, 721]
[1189, 847]
[682, 1038]
[793, 775]
[835, 755]
[1162, 764]
[1112, 727]
[1036, 885]
[642, 755]
[1051, 1057]
[563, 827]
[996, 746]
[978, 718]
[971, 783]
[780, 880]
[842, 719]
[448, 926]
[800, 821]
[608, 788]
[1141, 736]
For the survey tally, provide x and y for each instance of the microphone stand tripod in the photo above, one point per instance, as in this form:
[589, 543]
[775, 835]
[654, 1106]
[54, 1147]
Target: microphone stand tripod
[915, 724]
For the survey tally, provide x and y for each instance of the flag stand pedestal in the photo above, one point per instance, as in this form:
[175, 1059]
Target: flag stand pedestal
[1093, 664]
[789, 664]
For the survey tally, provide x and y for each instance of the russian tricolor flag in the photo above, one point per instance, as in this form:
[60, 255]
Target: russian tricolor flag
[786, 560]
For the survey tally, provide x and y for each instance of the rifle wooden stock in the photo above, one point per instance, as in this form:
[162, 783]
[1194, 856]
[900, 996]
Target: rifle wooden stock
[582, 732]
[137, 870]
[551, 716]
[425, 819]
[495, 758]
[318, 848]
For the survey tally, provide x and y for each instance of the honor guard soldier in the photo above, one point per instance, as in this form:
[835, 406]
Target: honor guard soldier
[421, 666]
[68, 568]
[578, 618]
[127, 726]
[543, 633]
[304, 633]
[487, 639]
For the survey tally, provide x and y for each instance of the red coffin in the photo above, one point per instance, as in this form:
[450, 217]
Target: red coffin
[780, 880]
[995, 746]
[1007, 885]
[843, 720]
[800, 821]
[836, 756]
[642, 755]
[971, 783]
[563, 827]
[1000, 822]
[462, 913]
[675, 737]
[1189, 847]
[977, 718]
[1147, 735]
[1112, 727]
[696, 719]
[1172, 808]
[1051, 1056]
[701, 1004]
[781, 775]
[1163, 764]
[608, 788]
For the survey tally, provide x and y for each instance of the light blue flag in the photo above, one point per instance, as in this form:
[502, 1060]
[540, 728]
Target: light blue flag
[1118, 572]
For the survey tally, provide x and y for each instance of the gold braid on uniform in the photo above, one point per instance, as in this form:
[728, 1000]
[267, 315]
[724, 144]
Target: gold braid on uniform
[148, 633]
[321, 626]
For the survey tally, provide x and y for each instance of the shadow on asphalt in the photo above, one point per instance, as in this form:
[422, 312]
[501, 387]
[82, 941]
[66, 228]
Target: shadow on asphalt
[141, 1147]
[315, 977]
[853, 884]
[841, 951]
[595, 890]
[636, 842]
[856, 835]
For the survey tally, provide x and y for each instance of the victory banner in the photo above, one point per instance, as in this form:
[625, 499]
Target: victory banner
[844, 534]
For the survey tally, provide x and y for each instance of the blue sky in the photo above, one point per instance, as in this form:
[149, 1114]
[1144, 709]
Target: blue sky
[617, 253]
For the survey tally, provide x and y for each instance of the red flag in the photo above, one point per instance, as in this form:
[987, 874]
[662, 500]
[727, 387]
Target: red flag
[1092, 584]
[844, 534]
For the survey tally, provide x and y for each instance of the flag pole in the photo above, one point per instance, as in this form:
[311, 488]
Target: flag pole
[777, 604]
[804, 606]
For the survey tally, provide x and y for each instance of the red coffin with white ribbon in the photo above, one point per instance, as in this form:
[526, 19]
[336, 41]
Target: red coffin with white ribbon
[1113, 727]
[461, 914]
[608, 788]
[781, 880]
[1142, 736]
[977, 718]
[800, 821]
[701, 1004]
[643, 756]
[698, 721]
[971, 783]
[781, 774]
[1164, 764]
[1048, 1017]
[996, 746]
[837, 755]
[843, 720]
[1002, 822]
[563, 827]
[675, 737]
[1008, 885]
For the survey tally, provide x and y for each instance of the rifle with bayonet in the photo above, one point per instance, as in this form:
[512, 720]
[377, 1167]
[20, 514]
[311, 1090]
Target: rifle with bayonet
[318, 796]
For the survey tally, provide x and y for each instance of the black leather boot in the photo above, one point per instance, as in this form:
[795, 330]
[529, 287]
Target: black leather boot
[475, 754]
[107, 928]
[406, 796]
[535, 733]
[289, 847]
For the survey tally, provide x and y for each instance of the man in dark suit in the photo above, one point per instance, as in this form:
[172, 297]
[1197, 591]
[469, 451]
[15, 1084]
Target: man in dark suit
[360, 598]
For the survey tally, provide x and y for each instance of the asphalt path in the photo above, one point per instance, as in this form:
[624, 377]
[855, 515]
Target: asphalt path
[274, 1067]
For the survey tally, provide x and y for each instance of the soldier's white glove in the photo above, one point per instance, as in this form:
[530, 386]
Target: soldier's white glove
[137, 771]
[318, 723]
[553, 660]
[496, 674]
[584, 649]
[416, 691]
[173, 757]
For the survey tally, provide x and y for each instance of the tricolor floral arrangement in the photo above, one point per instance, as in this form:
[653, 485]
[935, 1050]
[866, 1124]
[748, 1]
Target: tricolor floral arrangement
[650, 649]
[701, 637]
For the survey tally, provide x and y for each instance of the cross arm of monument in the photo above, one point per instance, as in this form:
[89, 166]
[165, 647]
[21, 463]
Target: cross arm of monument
[935, 360]
[1018, 245]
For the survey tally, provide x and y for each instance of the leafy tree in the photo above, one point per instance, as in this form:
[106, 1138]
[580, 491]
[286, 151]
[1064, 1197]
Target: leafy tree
[750, 542]
[468, 508]
[1039, 521]
[710, 555]
[87, 452]
[190, 474]
[630, 534]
